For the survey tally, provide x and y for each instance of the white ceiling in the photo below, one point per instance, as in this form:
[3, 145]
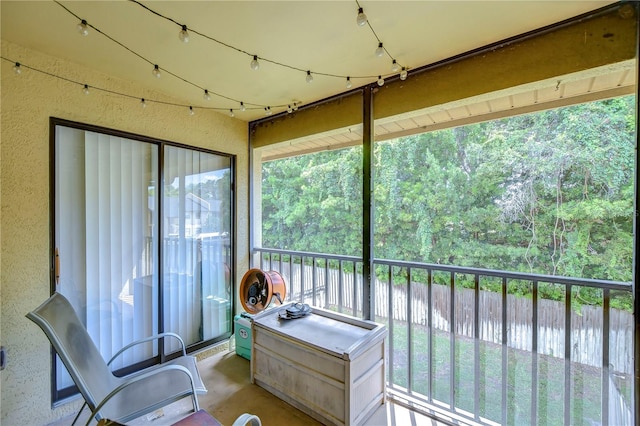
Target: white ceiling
[320, 36]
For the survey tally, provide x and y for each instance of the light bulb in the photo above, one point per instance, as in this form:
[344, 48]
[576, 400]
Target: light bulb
[349, 83]
[403, 74]
[143, 104]
[309, 77]
[156, 71]
[191, 111]
[380, 80]
[183, 35]
[206, 96]
[85, 89]
[17, 69]
[242, 107]
[361, 19]
[380, 50]
[254, 63]
[83, 28]
[289, 109]
[231, 113]
[268, 111]
[394, 66]
[295, 106]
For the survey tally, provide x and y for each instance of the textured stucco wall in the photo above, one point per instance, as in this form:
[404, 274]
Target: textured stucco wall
[27, 102]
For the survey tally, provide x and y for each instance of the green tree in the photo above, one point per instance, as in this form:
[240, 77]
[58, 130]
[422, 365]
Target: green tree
[550, 192]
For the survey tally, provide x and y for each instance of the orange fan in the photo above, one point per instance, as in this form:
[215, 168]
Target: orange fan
[258, 287]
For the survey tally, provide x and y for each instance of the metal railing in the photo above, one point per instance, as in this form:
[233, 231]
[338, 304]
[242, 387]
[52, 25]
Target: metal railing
[493, 347]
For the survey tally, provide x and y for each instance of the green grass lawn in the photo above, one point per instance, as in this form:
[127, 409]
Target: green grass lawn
[585, 381]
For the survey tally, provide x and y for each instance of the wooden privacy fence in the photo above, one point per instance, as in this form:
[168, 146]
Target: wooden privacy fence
[335, 288]
[586, 323]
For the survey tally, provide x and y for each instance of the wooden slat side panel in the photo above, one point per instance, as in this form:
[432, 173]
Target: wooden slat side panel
[314, 361]
[368, 393]
[367, 361]
[284, 374]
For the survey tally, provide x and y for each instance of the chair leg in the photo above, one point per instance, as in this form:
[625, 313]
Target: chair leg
[79, 412]
[194, 397]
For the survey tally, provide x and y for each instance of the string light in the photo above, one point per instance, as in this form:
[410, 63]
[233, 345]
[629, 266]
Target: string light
[289, 109]
[183, 35]
[295, 106]
[191, 111]
[394, 66]
[361, 19]
[146, 59]
[83, 28]
[86, 89]
[255, 65]
[242, 107]
[231, 114]
[254, 62]
[403, 74]
[17, 69]
[206, 96]
[268, 111]
[380, 80]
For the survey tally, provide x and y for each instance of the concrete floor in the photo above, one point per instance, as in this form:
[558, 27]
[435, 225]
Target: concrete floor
[230, 394]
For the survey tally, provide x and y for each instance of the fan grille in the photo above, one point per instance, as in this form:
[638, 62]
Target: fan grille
[259, 288]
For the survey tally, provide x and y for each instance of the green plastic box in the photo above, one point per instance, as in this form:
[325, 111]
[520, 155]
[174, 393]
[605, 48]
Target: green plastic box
[242, 334]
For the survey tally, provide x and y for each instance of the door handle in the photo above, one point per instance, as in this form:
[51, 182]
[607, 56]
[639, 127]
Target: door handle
[57, 267]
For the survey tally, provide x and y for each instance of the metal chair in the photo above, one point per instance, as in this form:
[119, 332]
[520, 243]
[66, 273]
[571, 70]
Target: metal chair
[118, 399]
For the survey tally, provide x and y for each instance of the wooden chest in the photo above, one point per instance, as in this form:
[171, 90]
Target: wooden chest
[329, 365]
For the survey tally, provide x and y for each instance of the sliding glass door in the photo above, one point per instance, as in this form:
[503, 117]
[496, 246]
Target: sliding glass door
[142, 241]
[196, 228]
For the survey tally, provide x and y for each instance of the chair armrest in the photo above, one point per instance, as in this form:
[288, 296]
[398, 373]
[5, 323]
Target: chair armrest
[144, 376]
[147, 339]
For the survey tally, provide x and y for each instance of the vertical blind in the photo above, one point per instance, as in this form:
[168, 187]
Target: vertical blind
[113, 221]
[104, 237]
[196, 305]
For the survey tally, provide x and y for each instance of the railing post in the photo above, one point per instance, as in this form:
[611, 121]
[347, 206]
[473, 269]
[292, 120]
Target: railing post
[606, 328]
[340, 286]
[505, 342]
[368, 300]
[452, 340]
[476, 346]
[431, 332]
[567, 354]
[302, 278]
[327, 282]
[390, 322]
[409, 333]
[314, 279]
[534, 354]
[636, 227]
